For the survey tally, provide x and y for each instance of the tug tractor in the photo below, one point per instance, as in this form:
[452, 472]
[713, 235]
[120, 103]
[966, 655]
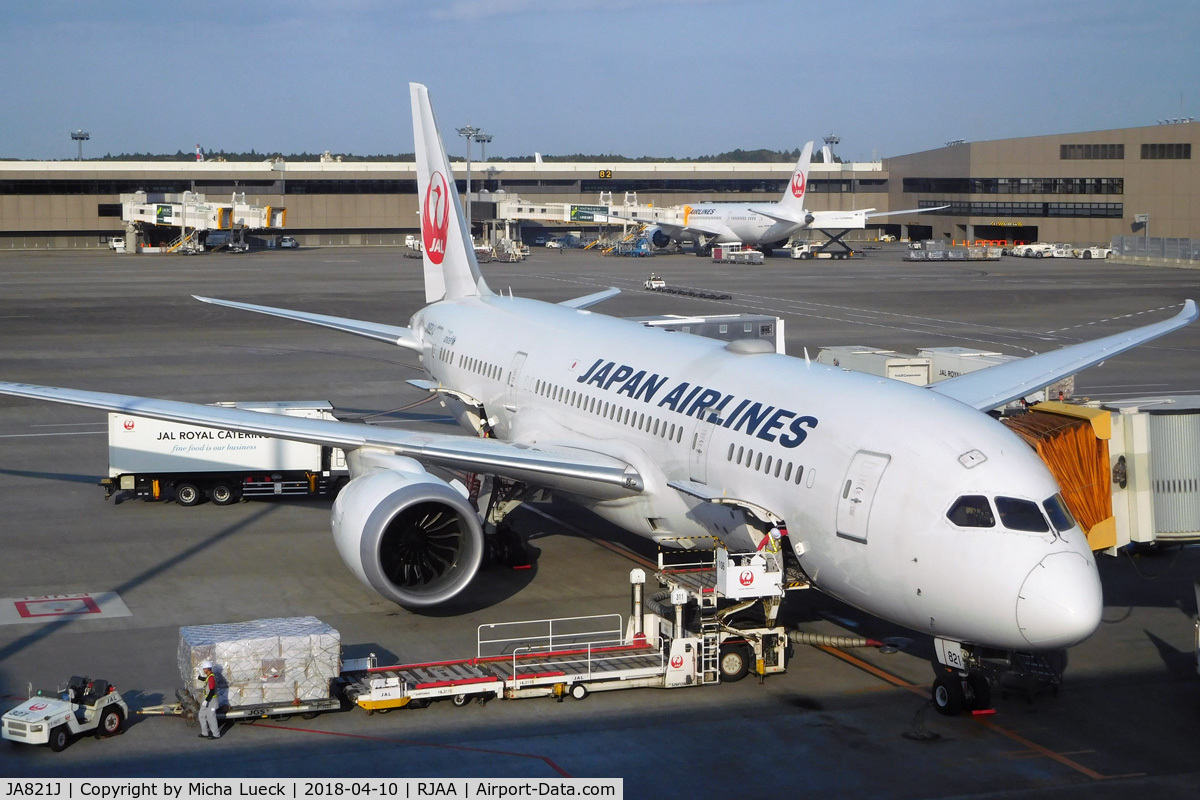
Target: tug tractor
[82, 706]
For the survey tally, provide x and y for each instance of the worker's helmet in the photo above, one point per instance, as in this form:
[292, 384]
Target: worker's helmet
[206, 665]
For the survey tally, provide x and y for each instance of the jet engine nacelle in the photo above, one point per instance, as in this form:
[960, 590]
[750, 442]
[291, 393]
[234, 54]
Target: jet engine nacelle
[407, 534]
[658, 237]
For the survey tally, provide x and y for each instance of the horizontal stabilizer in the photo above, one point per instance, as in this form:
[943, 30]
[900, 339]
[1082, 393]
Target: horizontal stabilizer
[392, 334]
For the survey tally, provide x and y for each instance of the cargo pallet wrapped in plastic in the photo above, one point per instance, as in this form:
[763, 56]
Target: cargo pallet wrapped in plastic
[264, 661]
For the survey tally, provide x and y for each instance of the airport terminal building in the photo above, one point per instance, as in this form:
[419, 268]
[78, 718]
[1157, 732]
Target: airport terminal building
[1083, 188]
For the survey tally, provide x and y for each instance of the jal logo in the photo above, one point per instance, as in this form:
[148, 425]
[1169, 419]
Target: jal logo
[128, 424]
[435, 218]
[798, 184]
[746, 578]
[38, 707]
[676, 662]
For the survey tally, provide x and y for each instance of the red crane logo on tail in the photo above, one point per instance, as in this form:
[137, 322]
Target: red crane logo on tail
[798, 184]
[435, 218]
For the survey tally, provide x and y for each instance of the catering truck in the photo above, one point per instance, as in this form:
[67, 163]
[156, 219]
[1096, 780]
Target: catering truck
[158, 460]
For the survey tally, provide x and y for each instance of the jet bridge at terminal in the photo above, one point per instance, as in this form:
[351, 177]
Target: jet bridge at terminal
[188, 222]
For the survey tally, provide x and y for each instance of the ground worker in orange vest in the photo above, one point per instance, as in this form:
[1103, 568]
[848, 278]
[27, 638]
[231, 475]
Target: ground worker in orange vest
[209, 729]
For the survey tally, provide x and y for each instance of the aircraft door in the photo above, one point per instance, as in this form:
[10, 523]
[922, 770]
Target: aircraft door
[701, 440]
[858, 493]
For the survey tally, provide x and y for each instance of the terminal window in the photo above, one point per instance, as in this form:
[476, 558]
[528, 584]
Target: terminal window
[1176, 150]
[1077, 152]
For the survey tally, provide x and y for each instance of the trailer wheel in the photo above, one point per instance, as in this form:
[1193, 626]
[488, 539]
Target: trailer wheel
[187, 494]
[460, 700]
[310, 715]
[579, 691]
[110, 722]
[60, 737]
[223, 494]
[734, 663]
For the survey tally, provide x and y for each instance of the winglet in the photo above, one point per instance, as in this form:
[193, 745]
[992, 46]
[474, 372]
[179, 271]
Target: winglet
[449, 255]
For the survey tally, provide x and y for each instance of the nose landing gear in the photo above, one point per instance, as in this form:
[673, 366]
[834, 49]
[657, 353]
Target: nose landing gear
[966, 676]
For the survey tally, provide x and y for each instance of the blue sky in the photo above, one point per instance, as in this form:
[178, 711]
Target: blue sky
[651, 77]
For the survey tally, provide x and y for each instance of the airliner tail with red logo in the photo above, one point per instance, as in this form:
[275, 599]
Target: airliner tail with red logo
[451, 270]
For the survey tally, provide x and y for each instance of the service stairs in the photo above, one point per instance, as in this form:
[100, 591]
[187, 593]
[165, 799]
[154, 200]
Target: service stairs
[710, 639]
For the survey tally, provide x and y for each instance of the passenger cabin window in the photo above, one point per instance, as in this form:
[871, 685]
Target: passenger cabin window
[1060, 516]
[1021, 515]
[971, 511]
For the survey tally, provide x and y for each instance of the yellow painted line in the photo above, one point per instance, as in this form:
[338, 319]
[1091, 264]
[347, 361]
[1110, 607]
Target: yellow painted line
[1033, 747]
[1040, 750]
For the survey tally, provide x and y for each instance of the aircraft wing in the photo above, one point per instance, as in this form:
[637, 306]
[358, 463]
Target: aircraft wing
[584, 472]
[392, 334]
[591, 299]
[670, 228]
[873, 213]
[783, 215]
[993, 387]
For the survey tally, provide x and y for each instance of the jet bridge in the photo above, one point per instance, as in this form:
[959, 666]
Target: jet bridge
[185, 221]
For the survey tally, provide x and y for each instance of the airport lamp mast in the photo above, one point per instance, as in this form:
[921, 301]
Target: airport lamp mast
[471, 133]
[80, 136]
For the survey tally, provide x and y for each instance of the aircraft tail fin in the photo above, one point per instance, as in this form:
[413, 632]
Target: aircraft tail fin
[792, 201]
[451, 270]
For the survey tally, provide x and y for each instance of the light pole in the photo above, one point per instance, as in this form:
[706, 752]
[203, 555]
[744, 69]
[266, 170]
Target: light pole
[471, 133]
[80, 136]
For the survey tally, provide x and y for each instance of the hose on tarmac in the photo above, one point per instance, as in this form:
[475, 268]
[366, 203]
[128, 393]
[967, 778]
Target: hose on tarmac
[821, 639]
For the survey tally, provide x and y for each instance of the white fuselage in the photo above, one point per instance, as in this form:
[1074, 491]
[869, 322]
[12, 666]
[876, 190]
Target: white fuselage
[738, 223]
[862, 469]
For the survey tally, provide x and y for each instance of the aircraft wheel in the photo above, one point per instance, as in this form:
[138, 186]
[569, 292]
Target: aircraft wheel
[734, 663]
[223, 494]
[948, 695]
[579, 691]
[60, 737]
[981, 692]
[110, 722]
[187, 494]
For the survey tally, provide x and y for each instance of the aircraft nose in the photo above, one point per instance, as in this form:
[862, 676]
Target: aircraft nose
[1060, 602]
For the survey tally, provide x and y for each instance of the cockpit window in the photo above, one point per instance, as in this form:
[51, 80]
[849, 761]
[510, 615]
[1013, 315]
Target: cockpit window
[971, 511]
[1021, 515]
[1060, 516]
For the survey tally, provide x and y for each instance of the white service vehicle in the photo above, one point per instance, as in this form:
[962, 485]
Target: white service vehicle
[82, 706]
[159, 460]
[116, 243]
[1095, 251]
[1062, 250]
[1033, 250]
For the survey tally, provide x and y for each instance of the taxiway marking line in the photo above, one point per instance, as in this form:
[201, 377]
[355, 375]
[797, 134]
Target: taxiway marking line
[1040, 750]
[1033, 747]
[546, 759]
